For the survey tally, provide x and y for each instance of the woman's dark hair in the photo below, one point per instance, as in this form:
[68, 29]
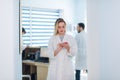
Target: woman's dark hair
[23, 30]
[81, 25]
[59, 20]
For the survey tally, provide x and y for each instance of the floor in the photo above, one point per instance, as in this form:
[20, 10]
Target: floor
[84, 76]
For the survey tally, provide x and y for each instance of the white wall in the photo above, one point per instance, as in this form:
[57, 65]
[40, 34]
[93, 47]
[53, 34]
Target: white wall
[80, 11]
[9, 41]
[103, 18]
[93, 49]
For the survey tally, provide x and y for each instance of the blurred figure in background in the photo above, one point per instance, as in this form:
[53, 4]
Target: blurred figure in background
[81, 58]
[23, 46]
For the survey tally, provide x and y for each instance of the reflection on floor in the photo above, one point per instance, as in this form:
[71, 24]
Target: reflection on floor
[83, 76]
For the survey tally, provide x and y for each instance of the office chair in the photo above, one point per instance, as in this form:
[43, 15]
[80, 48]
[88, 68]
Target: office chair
[26, 76]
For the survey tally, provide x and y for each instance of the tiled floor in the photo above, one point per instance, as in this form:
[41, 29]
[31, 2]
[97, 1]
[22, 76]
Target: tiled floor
[84, 76]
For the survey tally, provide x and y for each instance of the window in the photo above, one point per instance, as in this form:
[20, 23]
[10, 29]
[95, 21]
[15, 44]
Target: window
[39, 25]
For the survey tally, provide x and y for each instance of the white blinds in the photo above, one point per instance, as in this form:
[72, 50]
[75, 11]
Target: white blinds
[39, 25]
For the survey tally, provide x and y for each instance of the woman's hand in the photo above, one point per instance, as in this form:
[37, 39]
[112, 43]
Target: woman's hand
[66, 46]
[59, 47]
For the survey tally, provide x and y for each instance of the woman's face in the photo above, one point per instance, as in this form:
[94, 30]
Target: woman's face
[61, 28]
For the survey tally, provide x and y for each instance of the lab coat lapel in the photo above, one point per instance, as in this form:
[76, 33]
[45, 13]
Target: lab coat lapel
[65, 38]
[58, 38]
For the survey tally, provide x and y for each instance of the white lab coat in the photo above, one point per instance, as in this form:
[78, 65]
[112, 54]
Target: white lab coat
[81, 57]
[61, 66]
[23, 46]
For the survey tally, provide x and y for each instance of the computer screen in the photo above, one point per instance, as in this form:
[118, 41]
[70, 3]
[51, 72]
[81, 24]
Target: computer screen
[30, 53]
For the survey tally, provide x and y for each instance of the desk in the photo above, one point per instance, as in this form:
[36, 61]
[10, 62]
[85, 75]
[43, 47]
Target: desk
[41, 68]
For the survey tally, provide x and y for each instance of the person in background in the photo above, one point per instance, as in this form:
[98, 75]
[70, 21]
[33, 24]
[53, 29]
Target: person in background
[24, 46]
[61, 49]
[81, 59]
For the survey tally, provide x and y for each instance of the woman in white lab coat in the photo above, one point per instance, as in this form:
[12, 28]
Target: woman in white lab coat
[61, 49]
